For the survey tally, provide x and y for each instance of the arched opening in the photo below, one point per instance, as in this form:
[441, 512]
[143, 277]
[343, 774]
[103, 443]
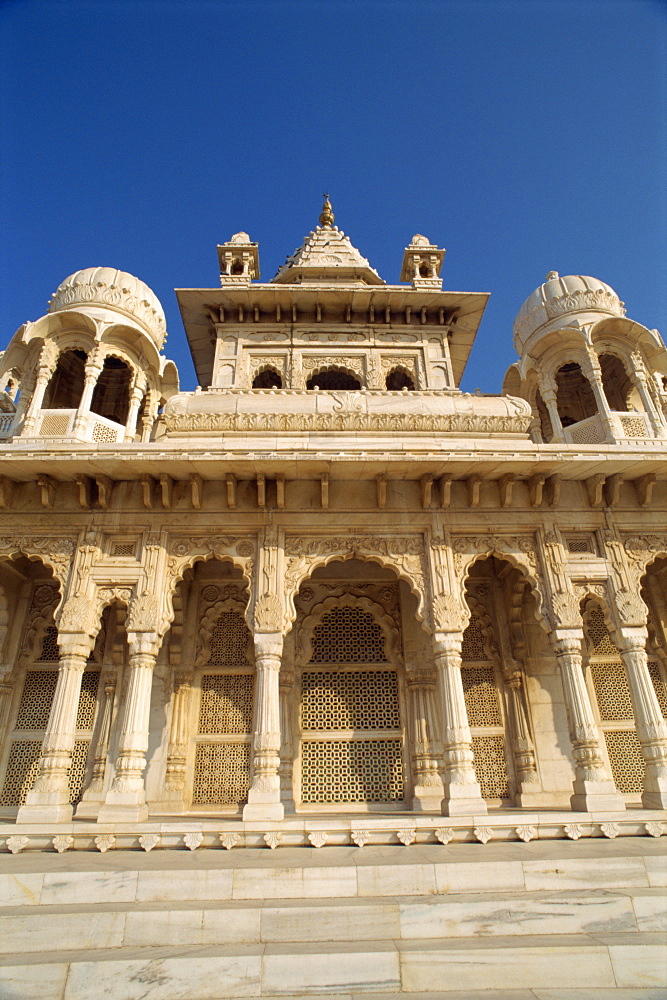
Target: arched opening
[237, 266]
[574, 399]
[424, 271]
[12, 385]
[212, 685]
[345, 710]
[30, 595]
[618, 387]
[332, 378]
[111, 396]
[267, 379]
[398, 379]
[65, 386]
[611, 700]
[494, 675]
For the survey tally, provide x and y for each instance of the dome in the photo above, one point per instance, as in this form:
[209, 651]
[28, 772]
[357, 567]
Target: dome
[105, 286]
[560, 297]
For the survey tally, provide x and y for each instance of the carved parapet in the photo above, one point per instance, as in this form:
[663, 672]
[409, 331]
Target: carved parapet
[371, 410]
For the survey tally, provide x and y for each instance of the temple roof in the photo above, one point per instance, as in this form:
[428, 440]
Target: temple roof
[327, 255]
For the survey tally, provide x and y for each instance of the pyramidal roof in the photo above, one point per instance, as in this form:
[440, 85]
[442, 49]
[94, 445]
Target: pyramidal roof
[327, 255]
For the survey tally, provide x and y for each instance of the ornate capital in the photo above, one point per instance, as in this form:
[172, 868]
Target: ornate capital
[143, 615]
[77, 615]
[268, 614]
[449, 615]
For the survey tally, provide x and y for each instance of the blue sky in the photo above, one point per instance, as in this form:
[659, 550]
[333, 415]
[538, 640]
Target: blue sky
[522, 136]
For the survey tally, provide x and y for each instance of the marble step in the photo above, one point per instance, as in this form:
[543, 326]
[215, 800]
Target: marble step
[129, 877]
[446, 967]
[24, 930]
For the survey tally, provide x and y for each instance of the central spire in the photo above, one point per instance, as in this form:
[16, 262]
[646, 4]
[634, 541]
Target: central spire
[327, 217]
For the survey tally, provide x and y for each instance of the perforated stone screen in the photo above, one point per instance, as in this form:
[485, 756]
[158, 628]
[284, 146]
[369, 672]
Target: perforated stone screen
[633, 426]
[103, 434]
[351, 771]
[22, 770]
[473, 641]
[660, 687]
[348, 635]
[625, 759]
[54, 424]
[612, 691]
[597, 632]
[490, 766]
[580, 544]
[229, 639]
[38, 690]
[226, 703]
[481, 696]
[350, 699]
[50, 650]
[88, 699]
[123, 549]
[222, 773]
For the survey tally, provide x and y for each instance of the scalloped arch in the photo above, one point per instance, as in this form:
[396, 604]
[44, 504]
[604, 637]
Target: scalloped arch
[380, 617]
[242, 563]
[522, 567]
[478, 611]
[208, 623]
[295, 581]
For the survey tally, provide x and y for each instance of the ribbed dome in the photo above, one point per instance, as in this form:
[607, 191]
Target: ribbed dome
[560, 296]
[119, 290]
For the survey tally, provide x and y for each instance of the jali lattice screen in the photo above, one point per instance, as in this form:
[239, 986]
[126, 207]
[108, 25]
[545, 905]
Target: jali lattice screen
[351, 771]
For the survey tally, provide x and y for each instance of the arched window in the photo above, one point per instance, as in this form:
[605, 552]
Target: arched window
[617, 386]
[575, 399]
[399, 379]
[237, 266]
[330, 378]
[111, 398]
[268, 379]
[66, 384]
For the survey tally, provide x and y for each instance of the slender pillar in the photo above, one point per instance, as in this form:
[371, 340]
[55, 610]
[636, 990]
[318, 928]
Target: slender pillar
[593, 374]
[93, 796]
[91, 375]
[656, 423]
[651, 727]
[126, 799]
[264, 795]
[49, 799]
[44, 373]
[6, 688]
[133, 412]
[463, 796]
[428, 788]
[594, 790]
[174, 782]
[286, 687]
[549, 396]
[523, 750]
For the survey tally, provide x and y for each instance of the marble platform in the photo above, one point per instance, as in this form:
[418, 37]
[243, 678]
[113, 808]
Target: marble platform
[554, 920]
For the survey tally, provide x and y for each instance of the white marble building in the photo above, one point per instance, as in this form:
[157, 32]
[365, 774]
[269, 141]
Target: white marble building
[327, 591]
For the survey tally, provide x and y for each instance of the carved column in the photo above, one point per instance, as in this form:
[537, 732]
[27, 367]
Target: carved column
[592, 372]
[44, 373]
[126, 799]
[286, 686]
[91, 374]
[550, 396]
[264, 794]
[651, 727]
[641, 381]
[594, 789]
[174, 782]
[428, 789]
[93, 796]
[136, 397]
[523, 750]
[49, 799]
[463, 795]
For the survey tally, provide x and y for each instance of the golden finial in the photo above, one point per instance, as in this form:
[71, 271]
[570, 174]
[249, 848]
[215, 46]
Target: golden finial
[327, 216]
